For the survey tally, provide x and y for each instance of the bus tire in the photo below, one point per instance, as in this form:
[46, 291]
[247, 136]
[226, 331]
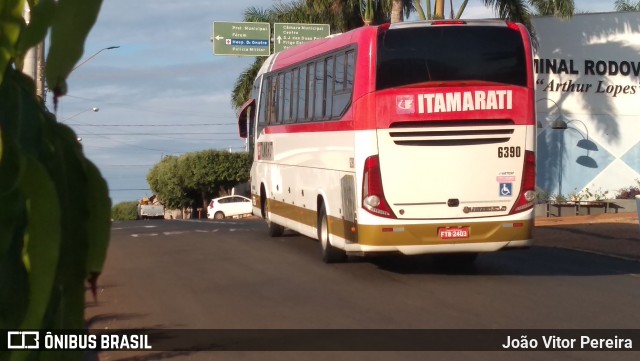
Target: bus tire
[330, 254]
[275, 230]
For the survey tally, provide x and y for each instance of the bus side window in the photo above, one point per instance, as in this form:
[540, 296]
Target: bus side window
[302, 95]
[294, 95]
[311, 87]
[343, 83]
[319, 96]
[271, 100]
[286, 98]
[280, 100]
[351, 67]
[328, 87]
[339, 73]
[262, 111]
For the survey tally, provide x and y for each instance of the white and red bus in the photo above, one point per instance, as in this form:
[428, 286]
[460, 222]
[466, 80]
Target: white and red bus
[413, 138]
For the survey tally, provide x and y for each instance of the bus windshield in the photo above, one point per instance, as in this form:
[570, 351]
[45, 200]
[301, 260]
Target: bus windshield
[450, 53]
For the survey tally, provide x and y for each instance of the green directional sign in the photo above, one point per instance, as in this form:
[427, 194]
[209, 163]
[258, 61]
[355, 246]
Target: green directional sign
[286, 35]
[243, 39]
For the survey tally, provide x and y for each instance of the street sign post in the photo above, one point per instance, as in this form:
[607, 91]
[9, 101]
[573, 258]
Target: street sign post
[242, 39]
[286, 35]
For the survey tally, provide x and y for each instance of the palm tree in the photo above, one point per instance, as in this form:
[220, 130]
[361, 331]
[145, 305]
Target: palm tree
[514, 10]
[341, 15]
[400, 9]
[559, 8]
[626, 5]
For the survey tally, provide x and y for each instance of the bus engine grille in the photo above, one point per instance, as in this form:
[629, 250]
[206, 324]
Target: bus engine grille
[451, 133]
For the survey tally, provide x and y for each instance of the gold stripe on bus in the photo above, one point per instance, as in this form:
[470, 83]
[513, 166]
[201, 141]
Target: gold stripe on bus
[337, 226]
[428, 234]
[404, 235]
[297, 213]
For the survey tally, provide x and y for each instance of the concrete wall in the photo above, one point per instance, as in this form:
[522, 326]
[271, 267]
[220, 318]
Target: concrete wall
[596, 89]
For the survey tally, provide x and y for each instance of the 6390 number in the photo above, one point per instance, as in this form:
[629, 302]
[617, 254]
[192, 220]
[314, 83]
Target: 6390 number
[509, 152]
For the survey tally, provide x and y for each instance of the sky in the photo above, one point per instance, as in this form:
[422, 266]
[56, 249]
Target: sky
[163, 91]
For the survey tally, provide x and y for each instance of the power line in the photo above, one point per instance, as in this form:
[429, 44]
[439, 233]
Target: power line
[129, 189]
[155, 110]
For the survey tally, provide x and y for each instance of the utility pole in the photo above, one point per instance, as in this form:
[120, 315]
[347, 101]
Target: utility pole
[29, 65]
[34, 60]
[40, 72]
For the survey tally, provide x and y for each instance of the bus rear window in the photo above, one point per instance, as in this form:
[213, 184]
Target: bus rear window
[450, 53]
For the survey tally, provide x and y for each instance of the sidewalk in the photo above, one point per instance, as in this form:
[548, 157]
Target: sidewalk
[613, 234]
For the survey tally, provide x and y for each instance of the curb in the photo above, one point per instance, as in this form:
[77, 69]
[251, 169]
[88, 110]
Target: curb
[626, 218]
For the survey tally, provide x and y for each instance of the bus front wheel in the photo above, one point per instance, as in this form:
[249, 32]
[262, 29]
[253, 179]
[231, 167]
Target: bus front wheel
[330, 254]
[275, 230]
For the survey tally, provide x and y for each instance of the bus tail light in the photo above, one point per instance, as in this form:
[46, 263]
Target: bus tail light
[513, 26]
[527, 196]
[373, 199]
[448, 22]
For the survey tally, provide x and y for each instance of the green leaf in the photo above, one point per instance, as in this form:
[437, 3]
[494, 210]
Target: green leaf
[68, 173]
[11, 166]
[71, 25]
[13, 276]
[42, 13]
[98, 222]
[11, 23]
[42, 239]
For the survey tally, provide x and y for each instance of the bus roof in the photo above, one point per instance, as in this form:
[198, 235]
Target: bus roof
[364, 34]
[317, 47]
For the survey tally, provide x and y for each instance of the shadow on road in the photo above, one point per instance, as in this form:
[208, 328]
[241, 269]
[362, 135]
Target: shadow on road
[536, 261]
[96, 320]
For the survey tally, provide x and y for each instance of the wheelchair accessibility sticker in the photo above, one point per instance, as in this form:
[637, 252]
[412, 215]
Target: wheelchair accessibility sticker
[506, 189]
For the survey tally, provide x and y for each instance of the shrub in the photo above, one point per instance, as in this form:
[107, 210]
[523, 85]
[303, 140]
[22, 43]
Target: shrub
[629, 192]
[125, 211]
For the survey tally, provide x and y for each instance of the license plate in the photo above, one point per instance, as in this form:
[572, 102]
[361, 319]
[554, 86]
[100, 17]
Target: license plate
[452, 233]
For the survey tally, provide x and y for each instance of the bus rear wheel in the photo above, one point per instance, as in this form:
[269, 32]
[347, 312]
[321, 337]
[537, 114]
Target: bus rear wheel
[330, 254]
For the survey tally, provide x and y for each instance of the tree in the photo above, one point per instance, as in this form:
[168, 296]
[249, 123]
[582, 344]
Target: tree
[193, 178]
[166, 181]
[125, 211]
[400, 8]
[210, 173]
[627, 5]
[559, 8]
[299, 11]
[341, 15]
[514, 10]
[55, 213]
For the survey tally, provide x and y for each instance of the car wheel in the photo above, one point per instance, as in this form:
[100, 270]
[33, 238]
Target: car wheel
[330, 254]
[218, 216]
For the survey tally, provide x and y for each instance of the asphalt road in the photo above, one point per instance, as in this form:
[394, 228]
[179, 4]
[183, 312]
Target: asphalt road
[231, 275]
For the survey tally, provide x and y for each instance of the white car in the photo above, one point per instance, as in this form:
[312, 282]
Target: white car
[229, 206]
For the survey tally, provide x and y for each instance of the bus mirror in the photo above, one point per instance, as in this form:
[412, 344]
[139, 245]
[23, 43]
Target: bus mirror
[246, 110]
